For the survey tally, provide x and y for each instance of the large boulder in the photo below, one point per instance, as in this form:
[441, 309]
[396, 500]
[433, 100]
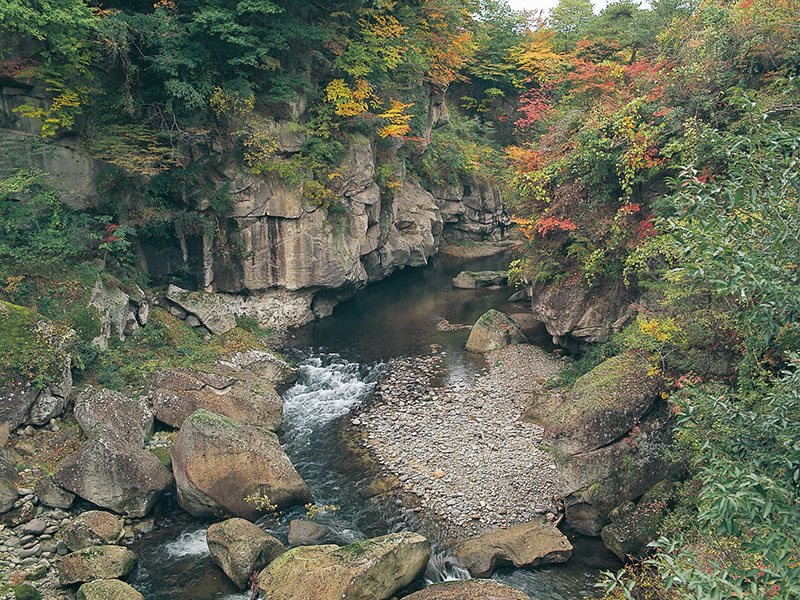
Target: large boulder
[528, 544]
[93, 528]
[603, 406]
[95, 562]
[470, 280]
[113, 474]
[239, 547]
[212, 310]
[594, 483]
[370, 570]
[120, 311]
[270, 365]
[131, 418]
[219, 463]
[469, 589]
[177, 393]
[108, 589]
[494, 330]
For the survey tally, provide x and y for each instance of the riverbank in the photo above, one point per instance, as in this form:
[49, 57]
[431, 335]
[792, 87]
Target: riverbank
[460, 451]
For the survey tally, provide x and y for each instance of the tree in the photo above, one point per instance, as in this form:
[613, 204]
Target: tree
[571, 17]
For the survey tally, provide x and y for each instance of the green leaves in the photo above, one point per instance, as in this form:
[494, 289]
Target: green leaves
[740, 234]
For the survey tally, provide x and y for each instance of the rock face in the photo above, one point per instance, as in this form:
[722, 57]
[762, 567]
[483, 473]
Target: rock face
[470, 589]
[494, 330]
[95, 562]
[239, 547]
[92, 528]
[113, 474]
[472, 212]
[177, 393]
[609, 437]
[470, 280]
[370, 570]
[219, 462]
[131, 418]
[575, 315]
[529, 544]
[108, 589]
[632, 527]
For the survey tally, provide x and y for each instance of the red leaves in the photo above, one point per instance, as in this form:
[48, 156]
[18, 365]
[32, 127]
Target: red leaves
[554, 224]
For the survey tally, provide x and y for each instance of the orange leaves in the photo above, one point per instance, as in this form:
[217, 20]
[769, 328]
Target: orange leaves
[554, 225]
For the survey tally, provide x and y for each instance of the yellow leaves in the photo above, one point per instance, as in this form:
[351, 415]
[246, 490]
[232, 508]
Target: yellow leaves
[536, 56]
[398, 120]
[348, 101]
[352, 102]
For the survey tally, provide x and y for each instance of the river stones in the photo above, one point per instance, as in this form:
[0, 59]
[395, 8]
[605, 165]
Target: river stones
[470, 589]
[470, 280]
[219, 463]
[131, 418]
[92, 528]
[95, 562]
[494, 330]
[177, 393]
[528, 544]
[239, 547]
[370, 570]
[107, 589]
[113, 474]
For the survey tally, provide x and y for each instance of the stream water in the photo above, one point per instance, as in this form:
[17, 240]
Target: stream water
[341, 358]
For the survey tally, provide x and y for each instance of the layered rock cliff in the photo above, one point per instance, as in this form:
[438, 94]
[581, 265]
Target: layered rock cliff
[276, 253]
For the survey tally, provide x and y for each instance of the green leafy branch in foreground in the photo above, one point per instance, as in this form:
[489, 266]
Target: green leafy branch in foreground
[741, 235]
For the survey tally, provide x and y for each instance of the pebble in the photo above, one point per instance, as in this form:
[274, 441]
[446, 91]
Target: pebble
[461, 448]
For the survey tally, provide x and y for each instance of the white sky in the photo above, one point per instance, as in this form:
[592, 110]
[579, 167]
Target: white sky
[548, 4]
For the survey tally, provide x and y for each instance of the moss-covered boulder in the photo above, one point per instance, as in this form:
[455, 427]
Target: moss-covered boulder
[35, 375]
[177, 393]
[370, 570]
[220, 463]
[95, 562]
[494, 330]
[92, 528]
[114, 474]
[528, 544]
[25, 591]
[470, 589]
[604, 405]
[108, 589]
[239, 547]
[595, 483]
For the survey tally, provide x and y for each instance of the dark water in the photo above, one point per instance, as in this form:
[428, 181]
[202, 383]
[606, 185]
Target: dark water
[341, 359]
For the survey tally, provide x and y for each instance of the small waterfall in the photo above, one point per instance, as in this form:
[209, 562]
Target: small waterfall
[444, 567]
[327, 388]
[189, 543]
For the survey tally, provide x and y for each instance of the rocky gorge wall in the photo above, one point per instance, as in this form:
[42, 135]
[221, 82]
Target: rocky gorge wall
[277, 254]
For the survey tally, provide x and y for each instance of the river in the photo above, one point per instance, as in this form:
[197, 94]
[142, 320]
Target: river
[341, 359]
